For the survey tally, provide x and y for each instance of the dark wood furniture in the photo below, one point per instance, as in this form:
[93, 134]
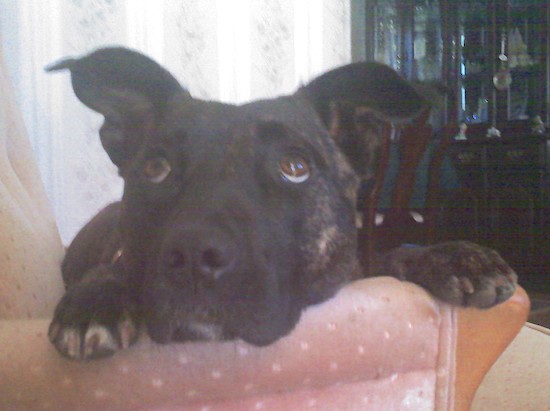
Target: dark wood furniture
[387, 228]
[503, 200]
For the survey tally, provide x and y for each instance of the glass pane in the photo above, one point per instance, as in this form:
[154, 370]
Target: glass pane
[475, 67]
[427, 40]
[387, 40]
[524, 50]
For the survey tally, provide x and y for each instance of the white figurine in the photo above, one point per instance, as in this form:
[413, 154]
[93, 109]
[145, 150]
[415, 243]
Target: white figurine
[493, 132]
[462, 132]
[538, 125]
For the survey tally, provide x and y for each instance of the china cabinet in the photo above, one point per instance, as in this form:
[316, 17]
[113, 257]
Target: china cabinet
[493, 58]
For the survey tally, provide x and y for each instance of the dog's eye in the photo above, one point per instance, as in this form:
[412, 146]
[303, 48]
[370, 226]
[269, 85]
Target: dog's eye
[294, 169]
[157, 169]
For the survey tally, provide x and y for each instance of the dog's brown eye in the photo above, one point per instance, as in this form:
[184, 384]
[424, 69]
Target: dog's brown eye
[294, 169]
[157, 169]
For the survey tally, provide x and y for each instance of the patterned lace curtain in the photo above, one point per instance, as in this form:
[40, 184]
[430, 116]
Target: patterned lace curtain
[228, 50]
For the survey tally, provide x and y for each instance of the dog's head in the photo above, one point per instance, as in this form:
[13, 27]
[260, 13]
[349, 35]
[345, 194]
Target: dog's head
[235, 218]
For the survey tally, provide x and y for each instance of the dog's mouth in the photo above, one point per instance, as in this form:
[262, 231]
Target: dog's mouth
[258, 324]
[181, 325]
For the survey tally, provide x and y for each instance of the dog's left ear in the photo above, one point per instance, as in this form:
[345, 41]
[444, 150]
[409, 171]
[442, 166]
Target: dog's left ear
[128, 88]
[354, 102]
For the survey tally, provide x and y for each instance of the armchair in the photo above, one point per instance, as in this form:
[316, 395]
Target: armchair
[379, 344]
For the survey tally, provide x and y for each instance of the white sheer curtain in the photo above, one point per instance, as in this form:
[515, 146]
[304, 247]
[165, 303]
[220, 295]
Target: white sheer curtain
[229, 50]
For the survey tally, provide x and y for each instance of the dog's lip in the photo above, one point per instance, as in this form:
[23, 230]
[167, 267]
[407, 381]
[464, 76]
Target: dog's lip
[192, 321]
[198, 331]
[204, 327]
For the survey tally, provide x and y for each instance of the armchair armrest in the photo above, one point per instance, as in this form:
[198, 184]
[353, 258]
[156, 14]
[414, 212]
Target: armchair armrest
[483, 335]
[378, 344]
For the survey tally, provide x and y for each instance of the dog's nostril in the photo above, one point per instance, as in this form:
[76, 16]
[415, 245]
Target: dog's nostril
[214, 263]
[213, 258]
[175, 259]
[199, 258]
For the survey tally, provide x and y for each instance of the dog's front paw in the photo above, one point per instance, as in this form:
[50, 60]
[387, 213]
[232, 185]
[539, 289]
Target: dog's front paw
[94, 319]
[457, 272]
[466, 274]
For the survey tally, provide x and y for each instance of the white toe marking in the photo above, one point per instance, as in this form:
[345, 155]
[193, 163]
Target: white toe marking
[98, 338]
[209, 332]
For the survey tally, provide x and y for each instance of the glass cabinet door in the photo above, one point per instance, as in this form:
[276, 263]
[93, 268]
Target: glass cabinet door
[493, 55]
[407, 37]
[503, 52]
[387, 33]
[428, 42]
[476, 68]
[525, 49]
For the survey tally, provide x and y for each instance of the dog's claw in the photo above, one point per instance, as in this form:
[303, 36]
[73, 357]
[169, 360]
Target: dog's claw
[54, 330]
[127, 332]
[72, 340]
[466, 285]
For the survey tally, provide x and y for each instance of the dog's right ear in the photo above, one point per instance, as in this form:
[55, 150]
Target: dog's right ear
[129, 89]
[356, 102]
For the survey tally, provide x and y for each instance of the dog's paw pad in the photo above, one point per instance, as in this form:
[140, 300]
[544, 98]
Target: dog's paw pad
[465, 285]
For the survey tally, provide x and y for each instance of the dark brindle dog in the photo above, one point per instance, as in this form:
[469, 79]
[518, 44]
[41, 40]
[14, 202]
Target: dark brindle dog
[236, 218]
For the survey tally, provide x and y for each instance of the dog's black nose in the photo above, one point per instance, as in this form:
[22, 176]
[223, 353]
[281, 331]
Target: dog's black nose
[204, 257]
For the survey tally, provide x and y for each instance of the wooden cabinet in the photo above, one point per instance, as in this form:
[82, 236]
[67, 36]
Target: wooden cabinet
[503, 201]
[486, 165]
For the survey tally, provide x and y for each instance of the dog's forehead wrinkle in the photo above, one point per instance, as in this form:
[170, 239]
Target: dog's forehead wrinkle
[289, 111]
[234, 140]
[200, 119]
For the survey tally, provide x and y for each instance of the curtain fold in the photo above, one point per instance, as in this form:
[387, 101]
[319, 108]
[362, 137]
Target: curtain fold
[30, 247]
